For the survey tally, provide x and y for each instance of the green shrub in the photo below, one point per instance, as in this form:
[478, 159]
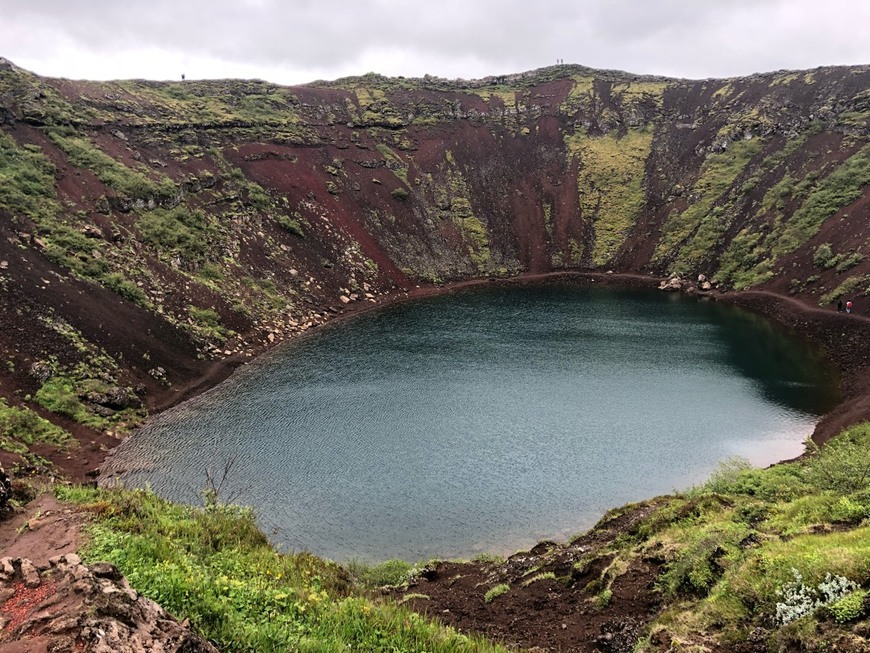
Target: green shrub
[849, 608]
[843, 464]
[182, 231]
[604, 598]
[823, 255]
[289, 224]
[118, 283]
[846, 261]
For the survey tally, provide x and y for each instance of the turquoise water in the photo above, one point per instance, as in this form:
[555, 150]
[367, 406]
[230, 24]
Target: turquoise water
[487, 420]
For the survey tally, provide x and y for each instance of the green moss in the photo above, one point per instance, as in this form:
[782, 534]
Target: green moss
[472, 229]
[395, 163]
[610, 184]
[840, 188]
[132, 183]
[20, 427]
[694, 233]
[846, 289]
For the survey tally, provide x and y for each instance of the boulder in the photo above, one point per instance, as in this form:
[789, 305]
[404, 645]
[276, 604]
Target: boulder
[69, 606]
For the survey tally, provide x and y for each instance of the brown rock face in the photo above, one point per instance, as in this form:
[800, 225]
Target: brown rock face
[67, 606]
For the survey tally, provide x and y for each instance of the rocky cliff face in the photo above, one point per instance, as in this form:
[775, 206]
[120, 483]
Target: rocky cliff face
[149, 229]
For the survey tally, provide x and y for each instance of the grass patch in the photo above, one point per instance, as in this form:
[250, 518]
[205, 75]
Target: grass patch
[848, 287]
[610, 183]
[129, 182]
[27, 182]
[213, 566]
[20, 427]
[494, 592]
[840, 188]
[693, 234]
[180, 231]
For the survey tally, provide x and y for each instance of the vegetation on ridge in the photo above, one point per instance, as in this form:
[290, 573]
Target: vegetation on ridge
[213, 566]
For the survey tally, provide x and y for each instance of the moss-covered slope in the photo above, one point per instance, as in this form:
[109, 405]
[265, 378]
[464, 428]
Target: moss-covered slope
[151, 229]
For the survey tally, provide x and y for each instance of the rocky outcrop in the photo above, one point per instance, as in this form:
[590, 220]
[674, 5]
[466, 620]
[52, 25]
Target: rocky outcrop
[67, 606]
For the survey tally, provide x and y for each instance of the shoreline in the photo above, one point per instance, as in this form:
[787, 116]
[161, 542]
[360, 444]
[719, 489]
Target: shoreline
[845, 339]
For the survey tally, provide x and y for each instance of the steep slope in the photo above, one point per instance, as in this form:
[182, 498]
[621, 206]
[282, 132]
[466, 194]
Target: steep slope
[156, 234]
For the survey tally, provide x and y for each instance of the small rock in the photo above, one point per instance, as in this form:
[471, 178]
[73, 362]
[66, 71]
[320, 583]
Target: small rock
[6, 568]
[344, 299]
[30, 574]
[4, 265]
[105, 570]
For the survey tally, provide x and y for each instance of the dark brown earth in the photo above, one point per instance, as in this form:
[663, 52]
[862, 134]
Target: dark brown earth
[557, 612]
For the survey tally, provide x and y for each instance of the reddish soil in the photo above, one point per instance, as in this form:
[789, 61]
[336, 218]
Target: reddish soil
[46, 528]
[558, 611]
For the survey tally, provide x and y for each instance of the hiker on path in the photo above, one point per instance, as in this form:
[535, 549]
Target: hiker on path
[840, 306]
[849, 307]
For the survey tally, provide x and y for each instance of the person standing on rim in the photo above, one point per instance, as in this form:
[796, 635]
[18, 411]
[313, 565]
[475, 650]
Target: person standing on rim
[849, 306]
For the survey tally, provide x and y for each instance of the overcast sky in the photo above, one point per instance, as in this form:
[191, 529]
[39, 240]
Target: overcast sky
[296, 41]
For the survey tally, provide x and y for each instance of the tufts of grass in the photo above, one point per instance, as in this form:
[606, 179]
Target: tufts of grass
[692, 234]
[496, 591]
[132, 183]
[213, 566]
[840, 188]
[546, 575]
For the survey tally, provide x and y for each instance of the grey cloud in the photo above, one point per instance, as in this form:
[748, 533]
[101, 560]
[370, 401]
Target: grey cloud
[695, 38]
